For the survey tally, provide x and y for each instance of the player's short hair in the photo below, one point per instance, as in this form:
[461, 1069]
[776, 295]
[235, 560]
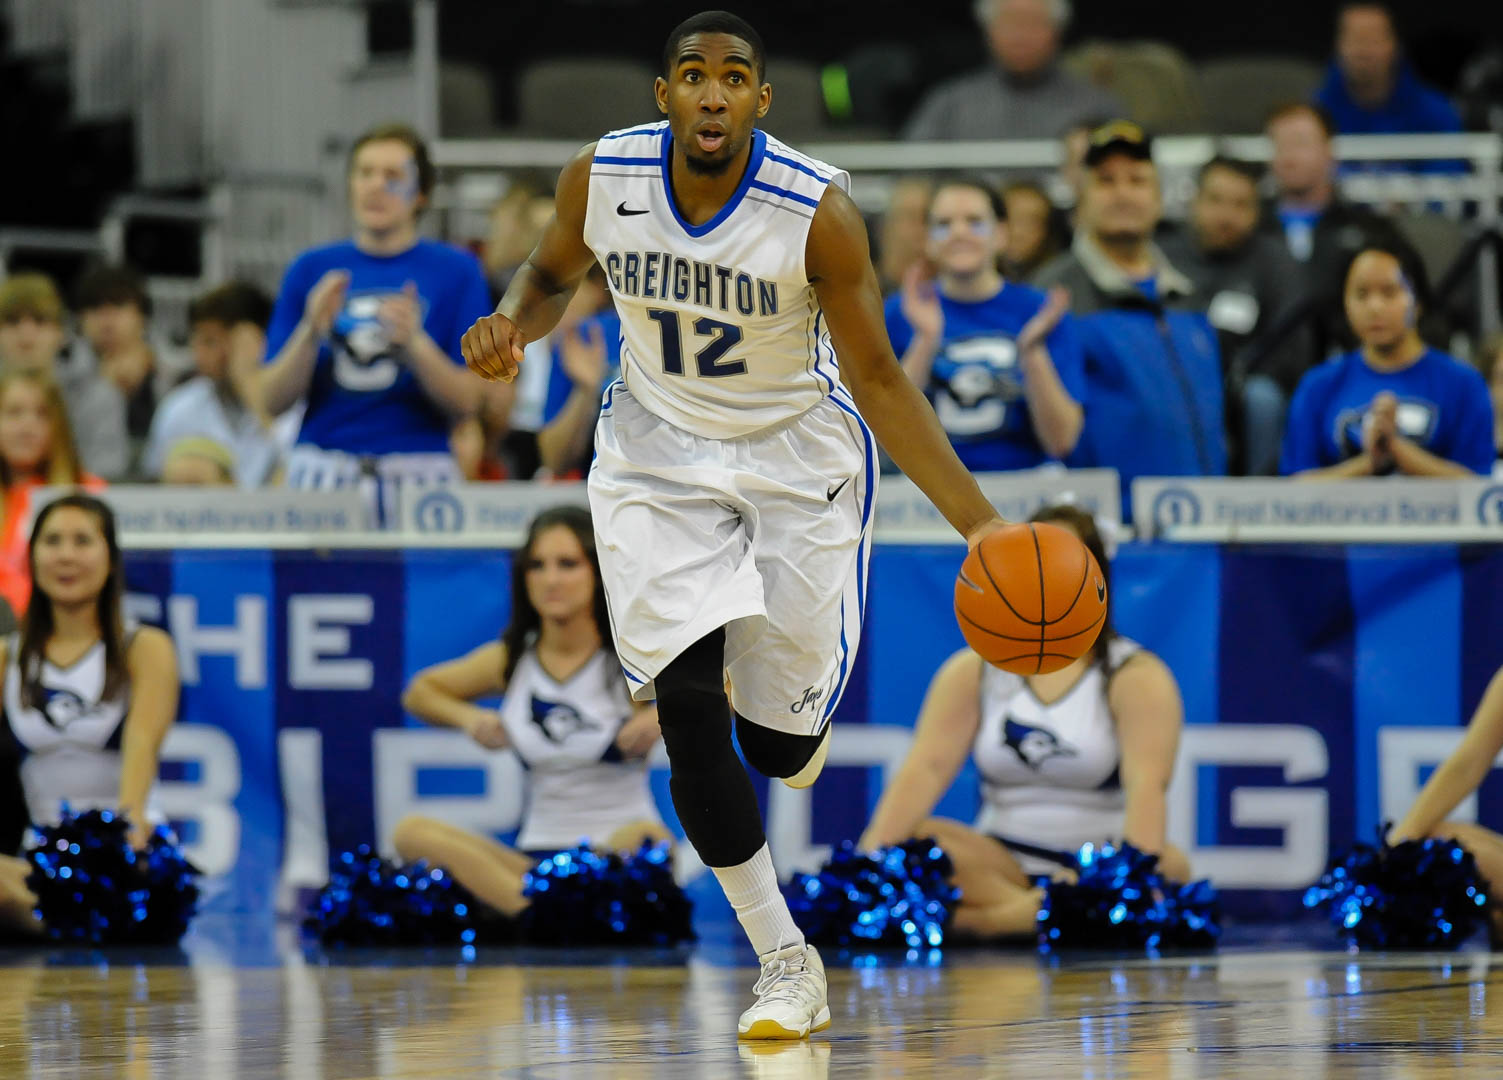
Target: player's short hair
[408, 137]
[231, 304]
[102, 285]
[1246, 169]
[1294, 108]
[993, 196]
[715, 22]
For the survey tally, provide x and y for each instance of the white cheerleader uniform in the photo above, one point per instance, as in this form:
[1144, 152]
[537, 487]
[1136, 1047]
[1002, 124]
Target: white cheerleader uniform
[1050, 772]
[580, 788]
[70, 746]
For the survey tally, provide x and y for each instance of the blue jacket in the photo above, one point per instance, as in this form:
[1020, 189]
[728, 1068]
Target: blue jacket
[1412, 109]
[1153, 371]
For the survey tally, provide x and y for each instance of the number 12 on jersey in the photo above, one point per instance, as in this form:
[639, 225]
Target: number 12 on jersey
[723, 337]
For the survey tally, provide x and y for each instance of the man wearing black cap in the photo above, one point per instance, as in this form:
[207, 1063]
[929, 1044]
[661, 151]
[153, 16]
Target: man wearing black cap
[1152, 362]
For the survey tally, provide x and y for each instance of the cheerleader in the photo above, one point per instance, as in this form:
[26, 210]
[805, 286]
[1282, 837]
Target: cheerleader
[1081, 755]
[566, 713]
[88, 697]
[1457, 777]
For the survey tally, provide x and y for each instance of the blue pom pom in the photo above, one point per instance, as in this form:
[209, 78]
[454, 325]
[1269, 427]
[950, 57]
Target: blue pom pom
[1418, 894]
[898, 897]
[372, 902]
[583, 897]
[93, 888]
[1119, 901]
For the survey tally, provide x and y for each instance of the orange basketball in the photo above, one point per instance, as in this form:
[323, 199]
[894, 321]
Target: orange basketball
[1030, 598]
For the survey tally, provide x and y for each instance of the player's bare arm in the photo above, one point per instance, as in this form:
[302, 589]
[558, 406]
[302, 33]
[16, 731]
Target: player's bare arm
[838, 261]
[541, 289]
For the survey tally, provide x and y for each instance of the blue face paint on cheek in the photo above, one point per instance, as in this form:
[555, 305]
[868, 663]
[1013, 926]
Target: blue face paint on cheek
[405, 187]
[1410, 304]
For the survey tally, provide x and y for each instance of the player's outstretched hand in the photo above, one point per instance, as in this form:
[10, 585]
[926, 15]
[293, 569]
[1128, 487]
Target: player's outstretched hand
[979, 533]
[492, 348]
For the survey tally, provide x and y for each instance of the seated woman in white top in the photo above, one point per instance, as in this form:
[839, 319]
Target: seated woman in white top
[1457, 777]
[566, 713]
[1081, 755]
[88, 698]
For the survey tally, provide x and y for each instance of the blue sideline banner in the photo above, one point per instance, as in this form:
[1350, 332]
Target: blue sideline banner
[1321, 684]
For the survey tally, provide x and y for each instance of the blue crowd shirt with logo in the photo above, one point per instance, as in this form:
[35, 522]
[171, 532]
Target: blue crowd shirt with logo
[1443, 406]
[364, 397]
[976, 384]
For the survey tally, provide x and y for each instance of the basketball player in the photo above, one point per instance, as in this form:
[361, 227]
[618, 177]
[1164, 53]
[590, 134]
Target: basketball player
[734, 474]
[1080, 755]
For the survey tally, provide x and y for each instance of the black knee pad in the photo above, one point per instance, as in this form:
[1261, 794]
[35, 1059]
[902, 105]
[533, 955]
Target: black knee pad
[775, 753]
[693, 713]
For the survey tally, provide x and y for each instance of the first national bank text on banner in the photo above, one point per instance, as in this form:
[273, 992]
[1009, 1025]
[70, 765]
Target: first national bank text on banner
[1387, 509]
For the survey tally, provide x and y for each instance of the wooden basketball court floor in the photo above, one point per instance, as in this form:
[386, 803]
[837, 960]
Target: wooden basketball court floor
[229, 1006]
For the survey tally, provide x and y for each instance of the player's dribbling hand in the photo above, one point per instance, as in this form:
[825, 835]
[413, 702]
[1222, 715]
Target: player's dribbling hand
[324, 301]
[980, 532]
[488, 732]
[492, 348]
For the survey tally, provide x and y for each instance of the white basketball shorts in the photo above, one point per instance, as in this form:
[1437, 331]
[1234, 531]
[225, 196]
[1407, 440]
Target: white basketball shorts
[767, 535]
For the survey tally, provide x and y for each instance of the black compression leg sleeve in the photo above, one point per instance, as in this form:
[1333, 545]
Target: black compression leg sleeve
[775, 753]
[712, 793]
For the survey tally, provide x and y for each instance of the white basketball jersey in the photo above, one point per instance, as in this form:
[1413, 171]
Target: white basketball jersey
[580, 789]
[721, 334]
[1049, 773]
[70, 746]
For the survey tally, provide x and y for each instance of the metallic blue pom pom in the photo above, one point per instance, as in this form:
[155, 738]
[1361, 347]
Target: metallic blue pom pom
[583, 897]
[1418, 894]
[898, 897]
[372, 902]
[93, 888]
[1119, 900]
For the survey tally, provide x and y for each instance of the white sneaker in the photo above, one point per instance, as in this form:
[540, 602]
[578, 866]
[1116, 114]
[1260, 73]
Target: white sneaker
[791, 996]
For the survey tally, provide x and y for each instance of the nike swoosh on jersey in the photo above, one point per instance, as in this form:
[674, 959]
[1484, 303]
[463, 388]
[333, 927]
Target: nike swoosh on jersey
[834, 491]
[624, 212]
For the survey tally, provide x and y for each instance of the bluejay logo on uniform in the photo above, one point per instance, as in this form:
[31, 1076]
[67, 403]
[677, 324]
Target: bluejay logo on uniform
[557, 722]
[1034, 745]
[1175, 506]
[439, 511]
[1490, 505]
[62, 707]
[810, 699]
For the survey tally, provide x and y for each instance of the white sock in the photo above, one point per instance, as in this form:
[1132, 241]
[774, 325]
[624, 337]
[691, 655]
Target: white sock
[752, 889]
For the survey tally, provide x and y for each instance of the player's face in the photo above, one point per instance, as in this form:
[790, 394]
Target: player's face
[25, 426]
[29, 343]
[1121, 198]
[965, 236]
[713, 99]
[72, 558]
[1301, 152]
[1225, 211]
[560, 579]
[1379, 303]
[384, 191]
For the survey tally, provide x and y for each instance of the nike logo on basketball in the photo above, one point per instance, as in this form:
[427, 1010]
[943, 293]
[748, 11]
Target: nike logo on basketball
[834, 491]
[624, 212]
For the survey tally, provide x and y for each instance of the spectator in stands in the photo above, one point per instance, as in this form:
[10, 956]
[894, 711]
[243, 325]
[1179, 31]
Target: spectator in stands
[36, 450]
[1079, 756]
[1371, 88]
[368, 330]
[902, 231]
[1321, 230]
[1151, 358]
[1394, 405]
[516, 225]
[225, 324]
[1026, 94]
[1036, 230]
[1000, 364]
[32, 338]
[1074, 141]
[114, 313]
[1246, 282]
[198, 461]
[1491, 356]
